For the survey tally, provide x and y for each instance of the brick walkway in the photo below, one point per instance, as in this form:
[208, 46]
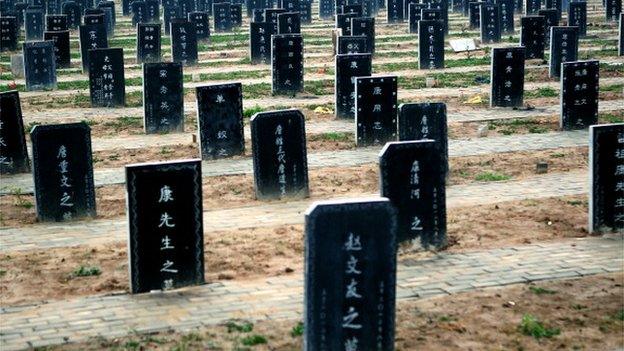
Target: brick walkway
[281, 298]
[283, 213]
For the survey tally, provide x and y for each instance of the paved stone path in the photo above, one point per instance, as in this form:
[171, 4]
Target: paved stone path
[281, 298]
[269, 214]
[344, 158]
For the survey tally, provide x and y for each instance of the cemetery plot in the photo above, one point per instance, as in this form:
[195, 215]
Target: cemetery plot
[163, 97]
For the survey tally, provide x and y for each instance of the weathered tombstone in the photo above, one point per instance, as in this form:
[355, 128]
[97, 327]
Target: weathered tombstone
[152, 11]
[148, 42]
[92, 36]
[350, 279]
[270, 15]
[9, 31]
[236, 12]
[260, 41]
[55, 23]
[305, 11]
[166, 244]
[621, 36]
[375, 110]
[490, 23]
[475, 14]
[288, 23]
[94, 19]
[201, 22]
[343, 22]
[395, 11]
[563, 48]
[256, 5]
[555, 5]
[33, 24]
[365, 26]
[63, 171]
[222, 17]
[109, 16]
[13, 152]
[414, 16]
[20, 11]
[39, 65]
[163, 97]
[348, 67]
[430, 44]
[506, 16]
[532, 36]
[279, 155]
[107, 85]
[61, 47]
[577, 16]
[606, 162]
[138, 12]
[579, 94]
[183, 42]
[72, 10]
[326, 9]
[531, 7]
[286, 63]
[220, 120]
[613, 9]
[350, 44]
[507, 77]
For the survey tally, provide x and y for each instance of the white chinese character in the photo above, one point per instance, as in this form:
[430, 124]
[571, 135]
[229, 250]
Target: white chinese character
[352, 266]
[164, 220]
[167, 267]
[352, 290]
[166, 242]
[347, 321]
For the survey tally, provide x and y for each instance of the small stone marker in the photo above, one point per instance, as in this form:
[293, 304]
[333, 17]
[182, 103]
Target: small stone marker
[613, 9]
[236, 13]
[431, 44]
[395, 11]
[350, 279]
[33, 24]
[351, 44]
[166, 244]
[365, 26]
[106, 78]
[279, 155]
[260, 41]
[507, 77]
[412, 176]
[163, 97]
[222, 17]
[56, 23]
[532, 7]
[201, 22]
[348, 67]
[414, 16]
[288, 23]
[563, 48]
[606, 162]
[579, 94]
[39, 65]
[220, 120]
[9, 31]
[533, 36]
[375, 110]
[287, 64]
[13, 153]
[148, 43]
[92, 36]
[506, 16]
[61, 47]
[183, 42]
[490, 23]
[63, 171]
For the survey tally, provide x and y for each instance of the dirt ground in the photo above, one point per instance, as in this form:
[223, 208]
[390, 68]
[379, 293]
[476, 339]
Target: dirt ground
[257, 253]
[588, 312]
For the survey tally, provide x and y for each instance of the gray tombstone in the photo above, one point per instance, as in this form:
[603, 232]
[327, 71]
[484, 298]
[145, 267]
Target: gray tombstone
[39, 65]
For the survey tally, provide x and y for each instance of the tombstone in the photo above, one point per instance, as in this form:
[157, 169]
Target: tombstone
[163, 97]
[533, 35]
[94, 19]
[577, 16]
[343, 22]
[350, 279]
[287, 64]
[72, 10]
[327, 9]
[103, 5]
[531, 7]
[91, 36]
[579, 94]
[365, 26]
[406, 6]
[20, 11]
[375, 110]
[279, 155]
[13, 153]
[183, 42]
[260, 41]
[63, 171]
[56, 23]
[551, 18]
[350, 44]
[474, 13]
[606, 162]
[305, 12]
[258, 16]
[519, 6]
[253, 5]
[563, 48]
[395, 11]
[152, 11]
[490, 23]
[166, 244]
[61, 47]
[9, 32]
[613, 9]
[288, 23]
[222, 17]
[431, 44]
[138, 12]
[220, 120]
[355, 9]
[33, 24]
[621, 36]
[507, 77]
[106, 78]
[109, 21]
[39, 65]
[414, 16]
[236, 12]
[348, 67]
[555, 5]
[430, 15]
[506, 16]
[125, 7]
[441, 5]
[290, 5]
[148, 43]
[201, 22]
[270, 15]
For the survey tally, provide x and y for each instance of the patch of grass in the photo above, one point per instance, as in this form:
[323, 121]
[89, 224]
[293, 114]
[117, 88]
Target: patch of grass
[531, 326]
[546, 92]
[491, 177]
[2, 272]
[297, 330]
[620, 315]
[253, 340]
[557, 155]
[132, 344]
[242, 327]
[86, 271]
[334, 136]
[575, 202]
[541, 291]
[537, 130]
[19, 200]
[248, 112]
[612, 118]
[125, 122]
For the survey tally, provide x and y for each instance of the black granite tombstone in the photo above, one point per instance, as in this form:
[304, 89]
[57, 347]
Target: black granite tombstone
[613, 9]
[104, 4]
[222, 17]
[430, 15]
[350, 44]
[551, 18]
[327, 9]
[365, 26]
[290, 5]
[441, 5]
[55, 23]
[183, 42]
[166, 248]
[20, 11]
[33, 24]
[152, 11]
[579, 94]
[577, 16]
[474, 13]
[406, 6]
[490, 23]
[350, 275]
[106, 78]
[163, 97]
[532, 6]
[414, 16]
[555, 5]
[288, 23]
[253, 5]
[348, 67]
[355, 9]
[61, 47]
[258, 16]
[279, 154]
[139, 12]
[375, 110]
[13, 153]
[73, 12]
[606, 162]
[270, 15]
[39, 65]
[220, 120]
[260, 41]
[507, 77]
[63, 171]
[148, 42]
[9, 32]
[109, 20]
[430, 44]
[92, 36]
[236, 14]
[287, 63]
[533, 35]
[94, 19]
[305, 11]
[395, 11]
[621, 36]
[169, 13]
[563, 48]
[506, 16]
[343, 22]
[201, 22]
